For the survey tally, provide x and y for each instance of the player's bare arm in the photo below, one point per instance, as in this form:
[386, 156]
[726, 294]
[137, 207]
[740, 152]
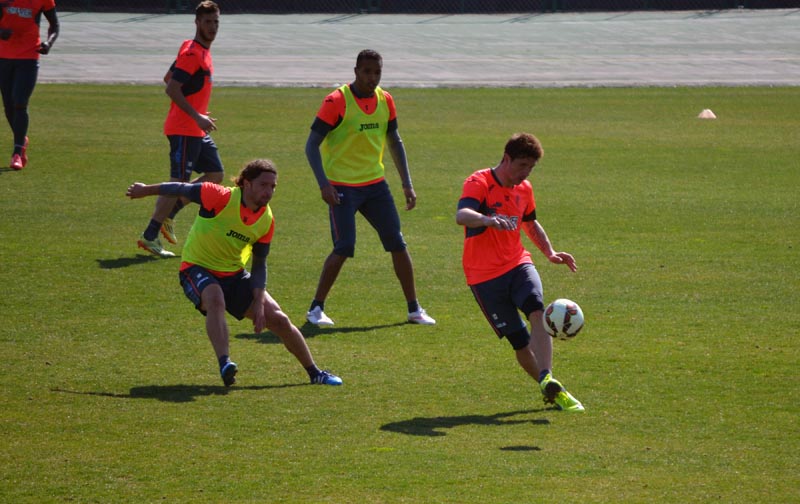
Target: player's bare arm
[539, 237]
[473, 219]
[175, 93]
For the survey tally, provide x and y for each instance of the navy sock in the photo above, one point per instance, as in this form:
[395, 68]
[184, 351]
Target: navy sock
[413, 306]
[542, 374]
[177, 208]
[312, 371]
[151, 233]
[316, 303]
[222, 361]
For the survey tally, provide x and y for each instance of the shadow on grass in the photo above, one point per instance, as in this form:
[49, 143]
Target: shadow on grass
[309, 330]
[124, 262]
[421, 426]
[178, 393]
[520, 448]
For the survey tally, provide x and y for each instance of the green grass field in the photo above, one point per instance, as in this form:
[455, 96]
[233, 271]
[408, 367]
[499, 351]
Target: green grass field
[686, 233]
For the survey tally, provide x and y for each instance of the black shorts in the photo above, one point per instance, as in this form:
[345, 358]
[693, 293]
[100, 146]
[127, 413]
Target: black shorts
[236, 288]
[189, 154]
[17, 80]
[376, 204]
[502, 298]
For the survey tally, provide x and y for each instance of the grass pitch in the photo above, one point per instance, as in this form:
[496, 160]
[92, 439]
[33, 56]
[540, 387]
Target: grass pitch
[686, 233]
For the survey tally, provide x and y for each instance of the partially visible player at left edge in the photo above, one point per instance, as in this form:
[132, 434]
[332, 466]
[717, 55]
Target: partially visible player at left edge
[20, 47]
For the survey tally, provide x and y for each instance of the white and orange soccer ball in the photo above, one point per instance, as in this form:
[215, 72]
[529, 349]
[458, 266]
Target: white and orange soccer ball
[563, 319]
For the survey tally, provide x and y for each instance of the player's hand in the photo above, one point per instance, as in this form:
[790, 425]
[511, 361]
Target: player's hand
[44, 48]
[136, 190]
[259, 320]
[5, 34]
[411, 197]
[258, 310]
[206, 123]
[330, 195]
[564, 258]
[501, 222]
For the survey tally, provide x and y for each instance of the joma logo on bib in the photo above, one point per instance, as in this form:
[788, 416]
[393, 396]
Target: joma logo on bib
[238, 236]
[369, 126]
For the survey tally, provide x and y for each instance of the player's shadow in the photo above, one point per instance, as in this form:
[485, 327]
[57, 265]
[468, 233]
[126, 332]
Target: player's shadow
[178, 393]
[434, 426]
[309, 330]
[124, 262]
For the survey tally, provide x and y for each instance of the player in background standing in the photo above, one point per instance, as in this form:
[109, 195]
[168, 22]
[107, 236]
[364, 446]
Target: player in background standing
[495, 204]
[187, 126]
[234, 224]
[20, 47]
[345, 150]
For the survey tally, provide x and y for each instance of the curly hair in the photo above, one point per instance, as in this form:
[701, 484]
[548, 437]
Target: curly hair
[253, 170]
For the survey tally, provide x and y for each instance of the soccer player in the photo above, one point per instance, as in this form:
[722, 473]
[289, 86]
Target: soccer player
[234, 224]
[345, 150]
[495, 204]
[20, 47]
[187, 126]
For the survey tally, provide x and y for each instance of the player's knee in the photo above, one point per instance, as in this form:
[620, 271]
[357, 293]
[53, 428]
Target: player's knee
[394, 243]
[519, 339]
[345, 249]
[213, 300]
[278, 321]
[213, 305]
[532, 304]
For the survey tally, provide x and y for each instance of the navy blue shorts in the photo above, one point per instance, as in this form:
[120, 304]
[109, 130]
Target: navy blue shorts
[376, 204]
[189, 154]
[236, 288]
[502, 298]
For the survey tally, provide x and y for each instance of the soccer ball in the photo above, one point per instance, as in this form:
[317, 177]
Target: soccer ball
[563, 318]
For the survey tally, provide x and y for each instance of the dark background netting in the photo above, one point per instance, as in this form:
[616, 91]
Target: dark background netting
[416, 6]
